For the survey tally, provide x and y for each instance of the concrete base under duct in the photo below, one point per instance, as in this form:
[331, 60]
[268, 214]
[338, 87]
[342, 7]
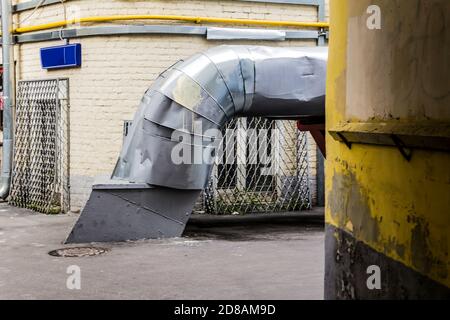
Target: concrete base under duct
[121, 211]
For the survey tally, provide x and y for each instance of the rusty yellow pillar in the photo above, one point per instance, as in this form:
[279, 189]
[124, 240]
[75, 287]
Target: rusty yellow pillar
[388, 144]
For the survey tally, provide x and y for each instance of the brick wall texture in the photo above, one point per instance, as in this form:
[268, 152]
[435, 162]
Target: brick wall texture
[117, 70]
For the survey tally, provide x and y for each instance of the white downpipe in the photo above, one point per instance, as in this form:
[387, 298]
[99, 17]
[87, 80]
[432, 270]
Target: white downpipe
[8, 97]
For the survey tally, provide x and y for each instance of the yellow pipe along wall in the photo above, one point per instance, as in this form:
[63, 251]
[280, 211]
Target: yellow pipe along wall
[100, 19]
[382, 209]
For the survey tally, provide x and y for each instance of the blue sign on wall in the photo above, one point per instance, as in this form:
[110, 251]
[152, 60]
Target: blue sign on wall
[65, 56]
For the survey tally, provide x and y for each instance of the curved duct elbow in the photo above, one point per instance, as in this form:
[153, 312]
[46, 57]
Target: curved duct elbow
[199, 95]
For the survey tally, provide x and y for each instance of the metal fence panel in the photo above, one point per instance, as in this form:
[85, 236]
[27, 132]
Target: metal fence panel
[262, 168]
[40, 178]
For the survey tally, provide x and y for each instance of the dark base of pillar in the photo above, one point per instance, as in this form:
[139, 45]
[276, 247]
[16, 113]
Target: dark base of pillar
[120, 211]
[346, 263]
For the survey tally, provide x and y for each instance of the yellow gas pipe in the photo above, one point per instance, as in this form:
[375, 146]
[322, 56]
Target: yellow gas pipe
[273, 23]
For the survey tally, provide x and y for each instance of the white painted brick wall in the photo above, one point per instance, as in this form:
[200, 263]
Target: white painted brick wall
[117, 70]
[226, 9]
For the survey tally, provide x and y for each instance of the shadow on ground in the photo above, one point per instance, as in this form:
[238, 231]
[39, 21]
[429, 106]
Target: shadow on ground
[255, 227]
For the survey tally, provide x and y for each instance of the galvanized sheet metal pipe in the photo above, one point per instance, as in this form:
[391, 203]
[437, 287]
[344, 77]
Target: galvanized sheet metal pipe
[152, 196]
[209, 89]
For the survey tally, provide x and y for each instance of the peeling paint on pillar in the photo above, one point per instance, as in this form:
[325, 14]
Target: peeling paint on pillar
[351, 200]
[381, 208]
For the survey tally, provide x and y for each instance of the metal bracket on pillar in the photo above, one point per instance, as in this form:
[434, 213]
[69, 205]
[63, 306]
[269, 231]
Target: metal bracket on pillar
[404, 136]
[344, 139]
[405, 151]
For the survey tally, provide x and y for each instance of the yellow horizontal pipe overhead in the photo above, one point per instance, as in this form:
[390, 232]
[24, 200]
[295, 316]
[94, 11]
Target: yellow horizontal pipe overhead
[94, 19]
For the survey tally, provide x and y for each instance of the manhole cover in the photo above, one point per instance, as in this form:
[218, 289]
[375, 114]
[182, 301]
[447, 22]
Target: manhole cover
[78, 252]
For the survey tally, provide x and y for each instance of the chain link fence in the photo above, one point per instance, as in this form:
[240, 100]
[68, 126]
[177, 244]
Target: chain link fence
[40, 177]
[262, 167]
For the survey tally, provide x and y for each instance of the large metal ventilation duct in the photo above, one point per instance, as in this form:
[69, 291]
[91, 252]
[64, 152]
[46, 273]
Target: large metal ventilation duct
[150, 196]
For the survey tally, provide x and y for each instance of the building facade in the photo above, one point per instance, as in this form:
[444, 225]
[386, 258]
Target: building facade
[120, 59]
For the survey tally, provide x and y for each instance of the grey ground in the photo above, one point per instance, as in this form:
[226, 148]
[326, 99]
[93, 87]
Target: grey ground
[280, 257]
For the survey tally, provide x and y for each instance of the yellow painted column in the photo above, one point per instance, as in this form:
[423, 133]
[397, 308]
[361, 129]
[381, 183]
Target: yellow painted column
[388, 143]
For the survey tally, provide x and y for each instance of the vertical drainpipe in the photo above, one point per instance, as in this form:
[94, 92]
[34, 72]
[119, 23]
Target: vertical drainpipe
[8, 91]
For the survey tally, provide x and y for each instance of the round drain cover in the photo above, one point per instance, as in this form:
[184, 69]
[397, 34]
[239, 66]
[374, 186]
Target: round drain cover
[78, 252]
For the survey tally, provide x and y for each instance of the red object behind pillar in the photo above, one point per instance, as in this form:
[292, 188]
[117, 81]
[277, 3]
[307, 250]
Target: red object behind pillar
[317, 132]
